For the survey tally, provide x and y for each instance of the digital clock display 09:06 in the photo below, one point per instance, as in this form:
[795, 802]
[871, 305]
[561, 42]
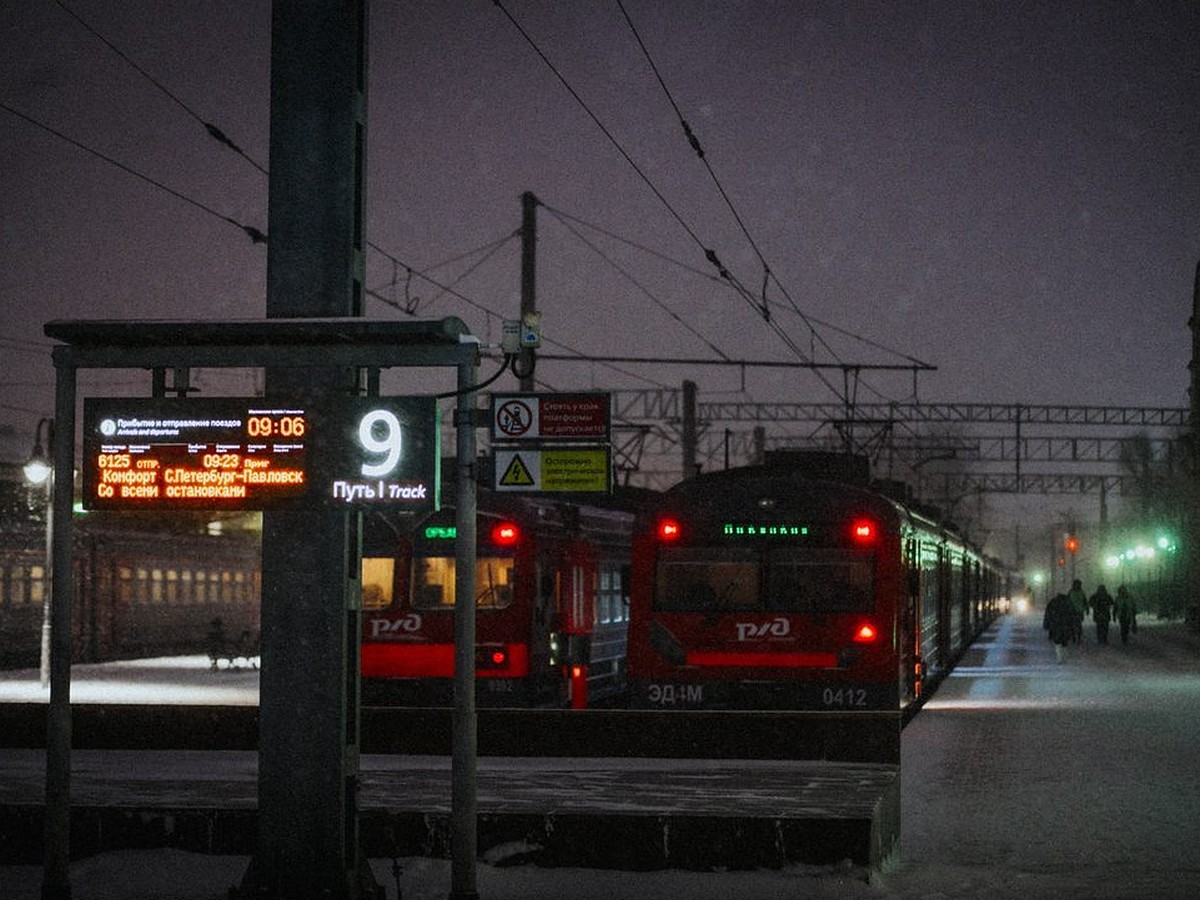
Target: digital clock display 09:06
[292, 426]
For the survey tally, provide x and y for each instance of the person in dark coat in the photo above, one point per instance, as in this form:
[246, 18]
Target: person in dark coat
[1059, 621]
[1102, 606]
[1079, 603]
[1126, 613]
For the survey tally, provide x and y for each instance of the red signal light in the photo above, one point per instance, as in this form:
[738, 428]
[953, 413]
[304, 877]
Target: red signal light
[668, 530]
[866, 634]
[505, 534]
[863, 531]
[499, 657]
[1072, 544]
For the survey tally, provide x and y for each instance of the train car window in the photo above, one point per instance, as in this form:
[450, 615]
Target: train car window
[172, 586]
[201, 587]
[706, 579]
[493, 582]
[817, 581]
[17, 585]
[604, 604]
[614, 591]
[378, 580]
[433, 582]
[37, 584]
[124, 585]
[187, 587]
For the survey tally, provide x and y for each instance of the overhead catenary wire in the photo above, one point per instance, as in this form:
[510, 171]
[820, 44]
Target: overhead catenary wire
[709, 276]
[760, 302]
[709, 253]
[411, 304]
[644, 290]
[769, 274]
[255, 235]
[213, 131]
[475, 304]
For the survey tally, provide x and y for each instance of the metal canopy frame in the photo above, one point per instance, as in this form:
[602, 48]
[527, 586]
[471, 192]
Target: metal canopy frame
[299, 342]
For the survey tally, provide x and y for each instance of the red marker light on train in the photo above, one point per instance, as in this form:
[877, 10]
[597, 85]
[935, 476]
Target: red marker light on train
[866, 634]
[863, 530]
[505, 534]
[499, 657]
[668, 530]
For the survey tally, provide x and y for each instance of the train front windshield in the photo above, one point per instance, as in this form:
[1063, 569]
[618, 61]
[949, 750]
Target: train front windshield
[778, 579]
[433, 585]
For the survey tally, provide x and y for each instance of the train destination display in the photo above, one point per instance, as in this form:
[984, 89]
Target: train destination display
[239, 453]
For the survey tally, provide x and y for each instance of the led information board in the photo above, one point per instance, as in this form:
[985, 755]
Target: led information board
[239, 453]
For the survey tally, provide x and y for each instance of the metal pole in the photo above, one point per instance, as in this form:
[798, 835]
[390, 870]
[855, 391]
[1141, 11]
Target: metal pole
[56, 878]
[529, 205]
[688, 426]
[308, 753]
[463, 838]
[48, 579]
[1192, 548]
[47, 600]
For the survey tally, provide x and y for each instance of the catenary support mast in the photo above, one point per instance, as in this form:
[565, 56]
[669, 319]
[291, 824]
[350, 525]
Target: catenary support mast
[308, 722]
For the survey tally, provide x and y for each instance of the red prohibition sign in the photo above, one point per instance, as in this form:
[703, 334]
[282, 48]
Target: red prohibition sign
[514, 418]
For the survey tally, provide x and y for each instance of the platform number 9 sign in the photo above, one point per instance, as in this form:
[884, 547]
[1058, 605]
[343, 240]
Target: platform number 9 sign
[379, 435]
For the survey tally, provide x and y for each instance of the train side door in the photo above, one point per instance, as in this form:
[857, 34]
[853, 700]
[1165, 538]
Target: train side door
[911, 663]
[579, 578]
[945, 595]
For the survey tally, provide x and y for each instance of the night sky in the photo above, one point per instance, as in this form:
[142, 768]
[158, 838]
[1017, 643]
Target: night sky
[1006, 191]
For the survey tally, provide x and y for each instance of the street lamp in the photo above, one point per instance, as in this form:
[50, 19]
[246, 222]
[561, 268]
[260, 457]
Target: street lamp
[39, 471]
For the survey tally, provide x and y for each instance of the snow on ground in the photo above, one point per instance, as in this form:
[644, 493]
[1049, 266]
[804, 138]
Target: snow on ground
[1021, 779]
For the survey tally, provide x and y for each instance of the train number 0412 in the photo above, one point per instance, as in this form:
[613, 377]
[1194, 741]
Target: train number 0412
[844, 698]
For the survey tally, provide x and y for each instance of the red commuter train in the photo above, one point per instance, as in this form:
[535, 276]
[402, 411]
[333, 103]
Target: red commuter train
[552, 583]
[760, 588]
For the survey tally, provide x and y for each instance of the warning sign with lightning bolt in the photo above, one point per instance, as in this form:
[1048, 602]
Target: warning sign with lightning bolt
[516, 474]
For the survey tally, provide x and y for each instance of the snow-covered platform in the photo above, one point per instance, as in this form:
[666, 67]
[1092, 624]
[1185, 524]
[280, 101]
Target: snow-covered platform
[163, 755]
[600, 813]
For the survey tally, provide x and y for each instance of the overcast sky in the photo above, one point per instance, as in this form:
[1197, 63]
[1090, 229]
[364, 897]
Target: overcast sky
[1006, 191]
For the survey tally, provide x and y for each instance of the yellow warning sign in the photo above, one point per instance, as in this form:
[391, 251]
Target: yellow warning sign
[555, 469]
[517, 474]
[575, 470]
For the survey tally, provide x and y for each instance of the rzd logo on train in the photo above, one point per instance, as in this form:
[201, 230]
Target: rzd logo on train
[776, 628]
[408, 624]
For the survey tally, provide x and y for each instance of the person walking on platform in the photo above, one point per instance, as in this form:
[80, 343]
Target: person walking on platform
[1102, 607]
[1079, 603]
[1059, 621]
[1126, 613]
